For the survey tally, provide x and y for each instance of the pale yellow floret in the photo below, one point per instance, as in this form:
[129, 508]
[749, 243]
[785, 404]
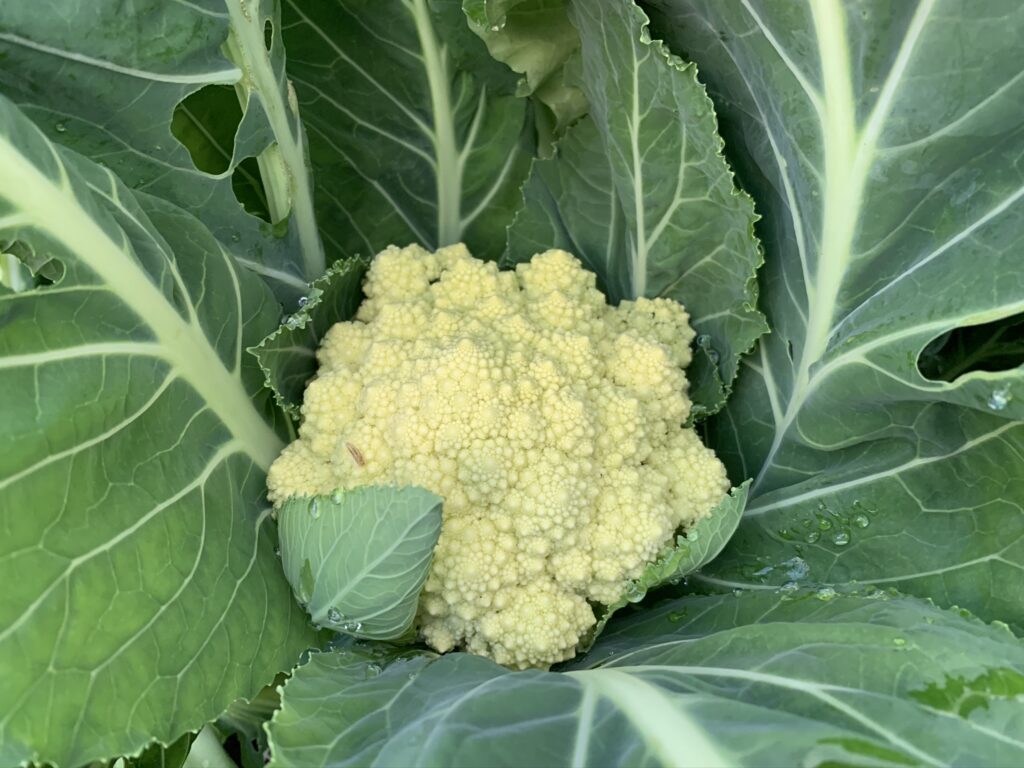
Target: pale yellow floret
[549, 421]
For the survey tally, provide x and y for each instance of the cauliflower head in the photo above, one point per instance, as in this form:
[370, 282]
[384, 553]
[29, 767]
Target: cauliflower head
[549, 421]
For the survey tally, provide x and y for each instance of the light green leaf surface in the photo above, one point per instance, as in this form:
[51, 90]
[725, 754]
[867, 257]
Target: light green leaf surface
[639, 191]
[535, 39]
[111, 95]
[884, 143]
[412, 139]
[141, 591]
[357, 559]
[758, 679]
[288, 355]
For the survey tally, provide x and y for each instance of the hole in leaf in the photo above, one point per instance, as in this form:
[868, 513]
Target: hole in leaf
[268, 34]
[995, 346]
[247, 183]
[205, 122]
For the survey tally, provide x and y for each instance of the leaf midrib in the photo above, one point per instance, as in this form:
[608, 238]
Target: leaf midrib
[848, 155]
[54, 210]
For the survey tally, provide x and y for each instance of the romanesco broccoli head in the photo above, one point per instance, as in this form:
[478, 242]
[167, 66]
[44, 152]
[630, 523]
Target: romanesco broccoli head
[550, 422]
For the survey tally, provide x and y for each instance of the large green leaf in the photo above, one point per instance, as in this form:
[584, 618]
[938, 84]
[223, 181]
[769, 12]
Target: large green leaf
[141, 590]
[884, 143]
[415, 132]
[640, 192]
[112, 95]
[759, 679]
[357, 560]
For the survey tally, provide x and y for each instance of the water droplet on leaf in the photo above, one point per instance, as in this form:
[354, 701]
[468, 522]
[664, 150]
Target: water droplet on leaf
[635, 593]
[314, 509]
[334, 616]
[303, 301]
[676, 616]
[1000, 398]
[60, 127]
[841, 538]
[861, 521]
[796, 568]
[812, 537]
[825, 593]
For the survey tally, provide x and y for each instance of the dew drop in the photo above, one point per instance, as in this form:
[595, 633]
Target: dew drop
[825, 593]
[336, 497]
[236, 237]
[1000, 398]
[712, 356]
[676, 616]
[303, 301]
[824, 524]
[796, 568]
[634, 592]
[314, 509]
[334, 616]
[703, 340]
[61, 127]
[790, 586]
[372, 670]
[277, 551]
[841, 538]
[813, 537]
[861, 520]
[692, 535]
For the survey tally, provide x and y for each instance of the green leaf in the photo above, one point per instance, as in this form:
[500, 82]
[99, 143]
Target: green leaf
[357, 559]
[883, 142]
[288, 355]
[159, 756]
[112, 97]
[756, 679]
[142, 594]
[411, 139]
[535, 39]
[245, 721]
[641, 193]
